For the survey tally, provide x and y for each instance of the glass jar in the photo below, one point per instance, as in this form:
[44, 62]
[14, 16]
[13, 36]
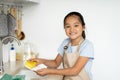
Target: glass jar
[30, 51]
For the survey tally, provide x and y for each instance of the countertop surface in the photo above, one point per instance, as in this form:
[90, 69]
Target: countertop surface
[17, 68]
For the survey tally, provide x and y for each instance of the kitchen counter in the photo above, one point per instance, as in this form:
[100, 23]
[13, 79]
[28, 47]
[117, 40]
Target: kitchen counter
[17, 68]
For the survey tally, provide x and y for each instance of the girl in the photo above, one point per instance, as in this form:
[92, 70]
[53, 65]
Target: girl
[76, 52]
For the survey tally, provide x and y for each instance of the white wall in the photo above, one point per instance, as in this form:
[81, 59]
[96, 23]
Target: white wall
[43, 26]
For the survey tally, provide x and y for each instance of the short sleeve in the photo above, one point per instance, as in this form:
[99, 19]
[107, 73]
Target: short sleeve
[87, 49]
[61, 47]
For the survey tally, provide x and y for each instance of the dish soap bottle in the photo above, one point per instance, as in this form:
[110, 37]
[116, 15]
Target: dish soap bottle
[12, 54]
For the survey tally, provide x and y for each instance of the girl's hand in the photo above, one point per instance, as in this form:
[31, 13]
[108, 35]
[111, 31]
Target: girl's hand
[43, 71]
[38, 60]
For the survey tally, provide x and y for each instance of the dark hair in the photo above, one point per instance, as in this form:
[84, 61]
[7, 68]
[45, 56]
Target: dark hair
[81, 19]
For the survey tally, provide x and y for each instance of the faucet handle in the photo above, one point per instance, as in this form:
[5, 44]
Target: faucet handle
[11, 37]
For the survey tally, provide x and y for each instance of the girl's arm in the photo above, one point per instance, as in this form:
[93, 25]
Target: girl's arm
[66, 71]
[50, 63]
[53, 63]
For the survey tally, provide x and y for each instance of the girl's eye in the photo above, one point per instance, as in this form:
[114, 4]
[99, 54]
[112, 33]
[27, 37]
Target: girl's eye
[76, 25]
[67, 26]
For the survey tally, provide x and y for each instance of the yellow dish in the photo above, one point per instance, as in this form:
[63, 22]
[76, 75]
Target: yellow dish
[30, 64]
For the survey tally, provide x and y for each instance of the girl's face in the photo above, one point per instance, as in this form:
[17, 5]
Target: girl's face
[73, 27]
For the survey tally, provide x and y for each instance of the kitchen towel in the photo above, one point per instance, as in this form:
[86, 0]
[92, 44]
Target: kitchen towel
[3, 25]
[10, 77]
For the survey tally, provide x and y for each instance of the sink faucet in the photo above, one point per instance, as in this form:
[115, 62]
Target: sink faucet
[1, 51]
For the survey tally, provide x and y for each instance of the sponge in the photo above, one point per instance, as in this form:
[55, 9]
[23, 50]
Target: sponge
[30, 64]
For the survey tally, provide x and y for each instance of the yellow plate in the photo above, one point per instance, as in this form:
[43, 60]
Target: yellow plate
[30, 64]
